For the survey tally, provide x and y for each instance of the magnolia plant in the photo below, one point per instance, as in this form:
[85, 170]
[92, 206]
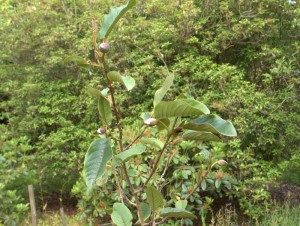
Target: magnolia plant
[183, 119]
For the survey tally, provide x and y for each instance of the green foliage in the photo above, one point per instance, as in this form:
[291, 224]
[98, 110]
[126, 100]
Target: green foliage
[15, 176]
[177, 213]
[238, 58]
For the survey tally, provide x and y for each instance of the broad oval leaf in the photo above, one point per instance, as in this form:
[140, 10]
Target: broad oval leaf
[179, 108]
[176, 213]
[113, 17]
[126, 155]
[181, 204]
[95, 161]
[121, 215]
[152, 142]
[154, 198]
[104, 110]
[200, 136]
[159, 94]
[212, 123]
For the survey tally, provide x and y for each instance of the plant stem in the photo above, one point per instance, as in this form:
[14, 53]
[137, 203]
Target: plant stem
[202, 177]
[160, 154]
[120, 140]
[157, 161]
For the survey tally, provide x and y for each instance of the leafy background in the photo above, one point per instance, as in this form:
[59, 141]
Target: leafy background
[240, 58]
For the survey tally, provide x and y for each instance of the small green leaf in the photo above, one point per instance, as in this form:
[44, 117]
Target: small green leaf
[154, 198]
[200, 136]
[176, 213]
[145, 115]
[129, 82]
[153, 142]
[218, 183]
[104, 92]
[227, 184]
[77, 60]
[104, 110]
[114, 76]
[126, 155]
[203, 185]
[113, 17]
[97, 156]
[179, 108]
[213, 124]
[121, 215]
[94, 92]
[181, 204]
[146, 210]
[159, 94]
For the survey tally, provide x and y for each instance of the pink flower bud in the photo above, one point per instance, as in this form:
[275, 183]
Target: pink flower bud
[222, 162]
[104, 47]
[150, 122]
[101, 131]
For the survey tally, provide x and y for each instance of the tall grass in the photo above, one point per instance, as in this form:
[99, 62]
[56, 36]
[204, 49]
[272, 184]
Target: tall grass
[54, 219]
[281, 215]
[277, 215]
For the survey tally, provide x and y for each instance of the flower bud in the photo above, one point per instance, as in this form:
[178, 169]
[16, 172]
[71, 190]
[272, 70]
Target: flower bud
[104, 47]
[150, 122]
[101, 131]
[222, 162]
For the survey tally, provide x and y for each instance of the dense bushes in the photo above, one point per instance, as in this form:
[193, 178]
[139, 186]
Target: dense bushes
[238, 57]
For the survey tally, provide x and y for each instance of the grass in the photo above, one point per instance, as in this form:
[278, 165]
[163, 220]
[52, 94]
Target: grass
[282, 215]
[54, 219]
[278, 215]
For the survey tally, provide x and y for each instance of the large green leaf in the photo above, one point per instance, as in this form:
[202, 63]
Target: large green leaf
[153, 142]
[178, 108]
[113, 17]
[159, 94]
[154, 198]
[121, 215]
[212, 123]
[126, 155]
[97, 156]
[104, 110]
[176, 213]
[200, 136]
